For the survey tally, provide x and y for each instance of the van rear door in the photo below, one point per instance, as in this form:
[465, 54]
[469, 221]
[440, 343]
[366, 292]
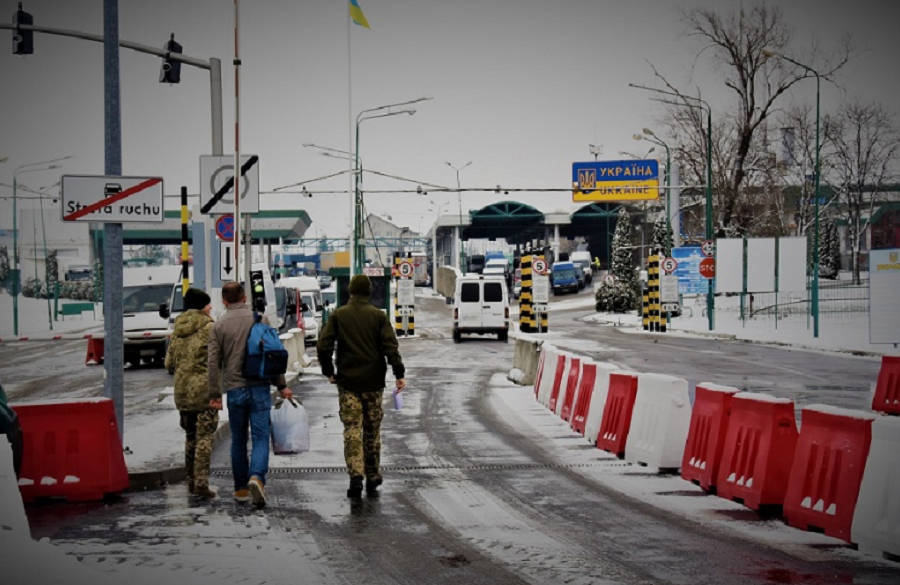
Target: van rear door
[493, 305]
[470, 305]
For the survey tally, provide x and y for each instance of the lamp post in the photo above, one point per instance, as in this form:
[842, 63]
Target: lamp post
[21, 169]
[462, 255]
[596, 150]
[437, 209]
[46, 257]
[651, 137]
[701, 105]
[357, 264]
[815, 287]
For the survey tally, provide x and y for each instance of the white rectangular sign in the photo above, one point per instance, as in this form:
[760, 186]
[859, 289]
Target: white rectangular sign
[668, 288]
[216, 172]
[884, 300]
[406, 292]
[112, 199]
[226, 261]
[540, 288]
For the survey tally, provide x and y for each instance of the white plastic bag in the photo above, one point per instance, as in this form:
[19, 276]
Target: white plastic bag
[290, 427]
[398, 400]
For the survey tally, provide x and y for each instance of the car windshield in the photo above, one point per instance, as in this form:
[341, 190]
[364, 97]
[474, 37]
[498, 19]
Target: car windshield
[145, 299]
[329, 296]
[279, 299]
[310, 306]
[581, 263]
[564, 273]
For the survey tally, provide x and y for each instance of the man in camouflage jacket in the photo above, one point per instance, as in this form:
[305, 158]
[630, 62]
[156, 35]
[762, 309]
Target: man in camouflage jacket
[365, 339]
[187, 357]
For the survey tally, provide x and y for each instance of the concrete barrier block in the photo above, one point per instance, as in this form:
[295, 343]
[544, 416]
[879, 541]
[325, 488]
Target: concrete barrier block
[659, 422]
[551, 361]
[525, 359]
[876, 520]
[598, 400]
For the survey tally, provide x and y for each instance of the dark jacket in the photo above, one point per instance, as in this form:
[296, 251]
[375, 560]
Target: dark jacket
[364, 339]
[187, 357]
[227, 346]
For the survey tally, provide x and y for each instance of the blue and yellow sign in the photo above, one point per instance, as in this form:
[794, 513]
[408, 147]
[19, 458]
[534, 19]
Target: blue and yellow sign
[616, 180]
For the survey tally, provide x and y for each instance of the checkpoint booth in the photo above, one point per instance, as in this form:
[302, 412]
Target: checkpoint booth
[381, 285]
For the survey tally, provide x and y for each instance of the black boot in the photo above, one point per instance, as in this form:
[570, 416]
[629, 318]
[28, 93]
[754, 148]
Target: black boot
[372, 486]
[356, 487]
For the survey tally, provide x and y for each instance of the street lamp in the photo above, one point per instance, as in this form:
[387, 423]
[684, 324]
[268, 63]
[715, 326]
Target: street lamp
[651, 137]
[596, 150]
[815, 288]
[21, 169]
[41, 193]
[701, 105]
[358, 200]
[462, 254]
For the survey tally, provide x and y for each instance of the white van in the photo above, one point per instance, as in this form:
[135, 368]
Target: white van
[144, 292]
[481, 305]
[311, 295]
[583, 258]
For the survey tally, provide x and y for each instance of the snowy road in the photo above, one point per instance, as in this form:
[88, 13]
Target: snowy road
[482, 486]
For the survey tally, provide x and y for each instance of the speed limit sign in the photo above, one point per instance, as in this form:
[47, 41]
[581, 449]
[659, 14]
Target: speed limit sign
[669, 265]
[609, 278]
[405, 269]
[539, 266]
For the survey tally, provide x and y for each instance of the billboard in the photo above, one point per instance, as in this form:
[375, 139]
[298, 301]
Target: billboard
[617, 180]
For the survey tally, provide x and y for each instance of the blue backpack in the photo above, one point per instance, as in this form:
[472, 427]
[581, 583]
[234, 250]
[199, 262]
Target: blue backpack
[265, 357]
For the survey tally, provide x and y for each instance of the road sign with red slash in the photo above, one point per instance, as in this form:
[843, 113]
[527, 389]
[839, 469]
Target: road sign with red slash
[112, 199]
[708, 268]
[669, 265]
[225, 227]
[405, 269]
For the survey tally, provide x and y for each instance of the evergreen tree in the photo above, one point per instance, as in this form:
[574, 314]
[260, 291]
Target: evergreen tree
[662, 235]
[4, 265]
[829, 250]
[622, 263]
[52, 276]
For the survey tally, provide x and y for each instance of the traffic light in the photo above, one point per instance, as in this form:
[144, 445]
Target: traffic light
[23, 40]
[171, 68]
[257, 290]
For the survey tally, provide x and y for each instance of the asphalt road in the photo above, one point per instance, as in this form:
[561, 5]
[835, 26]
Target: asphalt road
[471, 495]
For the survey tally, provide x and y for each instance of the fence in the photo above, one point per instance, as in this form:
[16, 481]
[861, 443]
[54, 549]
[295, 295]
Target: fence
[836, 299]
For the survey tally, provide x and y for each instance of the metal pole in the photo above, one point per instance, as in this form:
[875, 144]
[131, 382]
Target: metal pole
[215, 91]
[239, 236]
[815, 299]
[710, 298]
[46, 263]
[675, 208]
[15, 270]
[357, 268]
[113, 359]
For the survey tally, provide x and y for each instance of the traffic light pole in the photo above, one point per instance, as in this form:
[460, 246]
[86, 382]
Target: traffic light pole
[214, 66]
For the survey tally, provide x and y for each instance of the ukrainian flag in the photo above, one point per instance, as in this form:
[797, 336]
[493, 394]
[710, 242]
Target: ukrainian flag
[357, 15]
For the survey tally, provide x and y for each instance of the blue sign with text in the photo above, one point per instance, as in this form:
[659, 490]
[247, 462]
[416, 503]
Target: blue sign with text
[688, 272]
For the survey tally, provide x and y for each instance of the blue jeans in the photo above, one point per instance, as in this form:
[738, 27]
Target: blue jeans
[249, 407]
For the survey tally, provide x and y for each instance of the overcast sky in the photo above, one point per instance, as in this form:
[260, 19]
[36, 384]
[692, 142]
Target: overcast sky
[520, 88]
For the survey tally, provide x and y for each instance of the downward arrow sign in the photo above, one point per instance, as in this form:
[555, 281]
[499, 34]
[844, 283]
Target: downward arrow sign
[228, 264]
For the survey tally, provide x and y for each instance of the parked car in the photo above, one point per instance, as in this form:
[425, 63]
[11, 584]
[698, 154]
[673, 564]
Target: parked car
[481, 305]
[583, 258]
[324, 280]
[563, 278]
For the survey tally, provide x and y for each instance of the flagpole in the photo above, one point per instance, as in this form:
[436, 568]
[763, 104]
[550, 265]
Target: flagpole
[352, 195]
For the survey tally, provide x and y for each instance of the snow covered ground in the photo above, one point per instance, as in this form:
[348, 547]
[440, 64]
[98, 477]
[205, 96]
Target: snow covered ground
[33, 317]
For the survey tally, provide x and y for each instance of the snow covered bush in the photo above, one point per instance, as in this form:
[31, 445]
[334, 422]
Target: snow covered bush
[662, 235]
[622, 256]
[4, 265]
[616, 297]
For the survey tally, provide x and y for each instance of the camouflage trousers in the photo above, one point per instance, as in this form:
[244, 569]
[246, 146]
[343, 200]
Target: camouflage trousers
[361, 413]
[199, 427]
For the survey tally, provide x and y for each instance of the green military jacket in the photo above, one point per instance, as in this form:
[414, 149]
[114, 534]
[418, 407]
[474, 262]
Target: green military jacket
[364, 339]
[187, 357]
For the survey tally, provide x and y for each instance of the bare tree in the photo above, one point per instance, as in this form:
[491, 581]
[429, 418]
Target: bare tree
[866, 147]
[736, 42]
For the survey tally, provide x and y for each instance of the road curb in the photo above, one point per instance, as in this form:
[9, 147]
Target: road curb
[159, 478]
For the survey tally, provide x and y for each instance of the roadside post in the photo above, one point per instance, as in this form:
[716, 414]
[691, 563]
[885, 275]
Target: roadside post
[668, 289]
[540, 291]
[404, 317]
[526, 318]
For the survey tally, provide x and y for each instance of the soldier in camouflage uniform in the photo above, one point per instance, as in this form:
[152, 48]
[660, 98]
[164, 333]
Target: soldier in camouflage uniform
[364, 337]
[187, 358]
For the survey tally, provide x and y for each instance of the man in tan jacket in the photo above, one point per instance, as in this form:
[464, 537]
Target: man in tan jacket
[249, 401]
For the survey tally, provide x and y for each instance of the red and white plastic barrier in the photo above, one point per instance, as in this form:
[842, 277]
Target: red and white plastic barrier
[828, 468]
[553, 363]
[876, 520]
[759, 450]
[564, 404]
[597, 402]
[585, 391]
[616, 421]
[540, 371]
[659, 422]
[561, 379]
[706, 437]
[887, 390]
